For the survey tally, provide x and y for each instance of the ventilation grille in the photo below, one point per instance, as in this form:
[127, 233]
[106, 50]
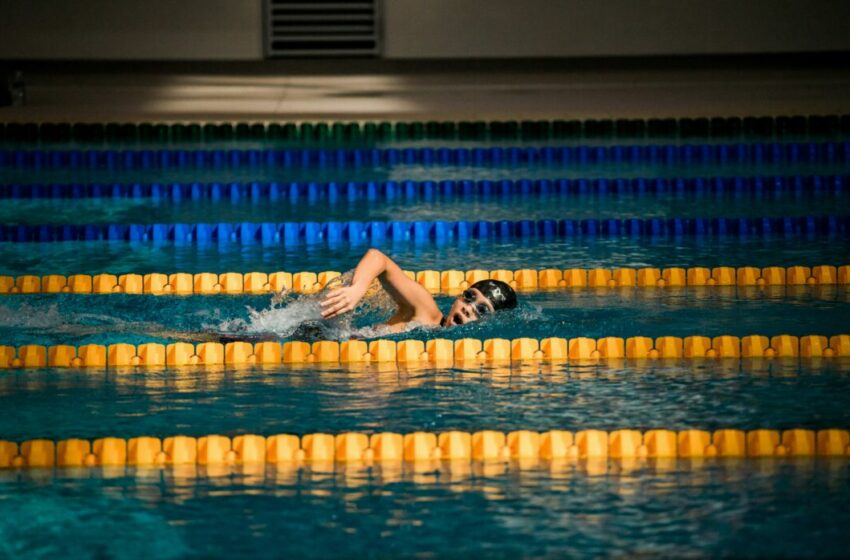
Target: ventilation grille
[322, 28]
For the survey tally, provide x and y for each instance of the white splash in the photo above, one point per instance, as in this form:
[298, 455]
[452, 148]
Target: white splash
[281, 320]
[286, 315]
[29, 317]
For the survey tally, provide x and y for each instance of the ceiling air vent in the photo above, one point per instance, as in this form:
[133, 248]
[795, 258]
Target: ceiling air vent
[322, 28]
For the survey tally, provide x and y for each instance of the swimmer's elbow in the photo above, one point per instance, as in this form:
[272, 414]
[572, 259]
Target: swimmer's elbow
[375, 253]
[382, 261]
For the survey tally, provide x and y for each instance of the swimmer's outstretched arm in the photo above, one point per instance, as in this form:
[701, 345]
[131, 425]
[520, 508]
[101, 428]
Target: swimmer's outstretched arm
[414, 302]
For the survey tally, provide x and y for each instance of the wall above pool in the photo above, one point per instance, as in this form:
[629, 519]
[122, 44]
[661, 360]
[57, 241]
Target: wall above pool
[412, 29]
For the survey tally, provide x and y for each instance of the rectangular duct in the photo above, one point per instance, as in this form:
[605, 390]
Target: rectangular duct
[308, 28]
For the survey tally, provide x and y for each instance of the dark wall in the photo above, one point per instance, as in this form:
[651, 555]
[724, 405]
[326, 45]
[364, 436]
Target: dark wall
[233, 29]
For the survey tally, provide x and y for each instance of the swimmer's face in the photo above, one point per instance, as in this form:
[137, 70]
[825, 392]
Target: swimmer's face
[468, 307]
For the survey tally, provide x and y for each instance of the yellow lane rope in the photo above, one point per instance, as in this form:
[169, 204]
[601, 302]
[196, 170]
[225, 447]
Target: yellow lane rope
[437, 352]
[435, 281]
[487, 445]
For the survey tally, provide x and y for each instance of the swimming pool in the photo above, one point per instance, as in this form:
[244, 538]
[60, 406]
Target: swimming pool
[673, 383]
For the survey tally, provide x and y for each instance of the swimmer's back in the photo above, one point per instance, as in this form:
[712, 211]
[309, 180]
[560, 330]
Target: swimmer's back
[306, 333]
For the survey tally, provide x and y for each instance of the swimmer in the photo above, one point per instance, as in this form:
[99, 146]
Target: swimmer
[415, 305]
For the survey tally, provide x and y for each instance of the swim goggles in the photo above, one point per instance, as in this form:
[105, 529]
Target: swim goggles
[470, 297]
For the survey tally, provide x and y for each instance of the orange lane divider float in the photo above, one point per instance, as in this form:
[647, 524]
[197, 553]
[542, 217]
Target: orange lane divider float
[441, 352]
[446, 281]
[487, 445]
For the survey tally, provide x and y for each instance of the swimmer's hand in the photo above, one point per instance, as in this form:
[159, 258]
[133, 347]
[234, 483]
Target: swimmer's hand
[280, 297]
[341, 301]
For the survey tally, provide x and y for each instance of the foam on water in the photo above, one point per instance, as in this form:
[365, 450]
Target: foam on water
[281, 319]
[301, 316]
[78, 319]
[29, 318]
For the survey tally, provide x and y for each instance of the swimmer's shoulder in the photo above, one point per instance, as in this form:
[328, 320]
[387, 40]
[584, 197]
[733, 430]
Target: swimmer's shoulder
[432, 318]
[411, 325]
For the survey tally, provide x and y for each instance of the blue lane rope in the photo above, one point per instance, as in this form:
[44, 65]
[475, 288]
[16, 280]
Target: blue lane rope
[773, 152]
[440, 232]
[426, 190]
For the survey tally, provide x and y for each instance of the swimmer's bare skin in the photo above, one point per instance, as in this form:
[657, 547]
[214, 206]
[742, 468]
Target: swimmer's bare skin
[415, 304]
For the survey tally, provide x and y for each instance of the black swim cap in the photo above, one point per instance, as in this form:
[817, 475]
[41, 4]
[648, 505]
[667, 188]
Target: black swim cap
[500, 294]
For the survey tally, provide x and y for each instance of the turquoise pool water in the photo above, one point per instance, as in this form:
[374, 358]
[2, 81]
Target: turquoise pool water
[749, 508]
[119, 258]
[670, 394]
[777, 509]
[622, 206]
[82, 319]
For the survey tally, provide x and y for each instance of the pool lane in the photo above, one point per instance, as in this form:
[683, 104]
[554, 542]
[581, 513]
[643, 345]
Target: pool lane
[577, 252]
[537, 207]
[675, 395]
[108, 319]
[415, 172]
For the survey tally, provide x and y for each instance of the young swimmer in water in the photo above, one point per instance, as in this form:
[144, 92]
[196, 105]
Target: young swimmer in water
[415, 304]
